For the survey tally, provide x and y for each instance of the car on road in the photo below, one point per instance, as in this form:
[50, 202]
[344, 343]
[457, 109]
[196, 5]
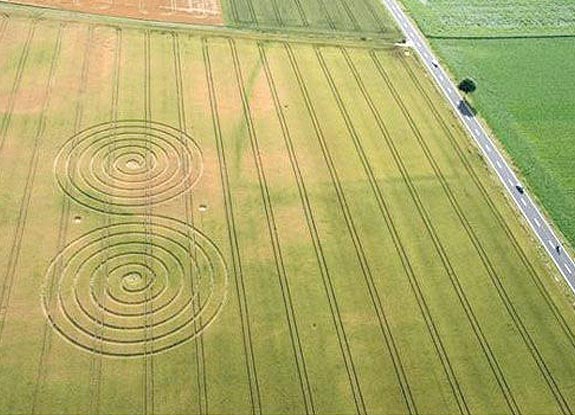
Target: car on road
[435, 63]
[520, 188]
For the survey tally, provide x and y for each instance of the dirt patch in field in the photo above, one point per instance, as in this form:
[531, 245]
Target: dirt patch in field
[102, 54]
[261, 99]
[28, 101]
[207, 12]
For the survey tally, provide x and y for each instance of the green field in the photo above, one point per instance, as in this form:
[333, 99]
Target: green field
[367, 17]
[492, 18]
[525, 91]
[194, 222]
[527, 100]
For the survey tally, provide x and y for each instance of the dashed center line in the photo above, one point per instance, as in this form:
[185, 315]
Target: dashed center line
[537, 222]
[524, 202]
[498, 164]
[551, 244]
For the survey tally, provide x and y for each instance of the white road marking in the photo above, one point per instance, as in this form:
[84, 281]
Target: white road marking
[498, 164]
[476, 130]
[551, 244]
[537, 222]
[488, 148]
[567, 267]
[510, 182]
[524, 202]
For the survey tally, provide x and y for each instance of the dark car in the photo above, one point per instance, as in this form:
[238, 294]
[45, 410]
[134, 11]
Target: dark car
[519, 188]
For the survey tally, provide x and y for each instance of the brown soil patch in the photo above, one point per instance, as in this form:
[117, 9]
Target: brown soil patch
[207, 12]
[27, 101]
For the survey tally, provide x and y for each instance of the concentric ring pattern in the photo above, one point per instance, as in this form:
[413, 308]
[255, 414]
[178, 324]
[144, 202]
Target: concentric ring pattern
[135, 288]
[125, 166]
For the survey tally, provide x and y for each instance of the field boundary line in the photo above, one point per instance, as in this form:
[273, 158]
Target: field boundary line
[12, 100]
[503, 37]
[397, 240]
[201, 377]
[274, 239]
[240, 30]
[356, 241]
[234, 243]
[312, 229]
[63, 220]
[487, 264]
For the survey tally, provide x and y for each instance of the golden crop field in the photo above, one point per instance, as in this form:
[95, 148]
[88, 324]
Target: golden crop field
[194, 221]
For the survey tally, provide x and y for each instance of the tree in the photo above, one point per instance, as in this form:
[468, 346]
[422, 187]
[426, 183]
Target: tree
[467, 85]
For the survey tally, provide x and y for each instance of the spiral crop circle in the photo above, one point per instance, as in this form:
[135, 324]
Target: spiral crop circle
[135, 288]
[124, 166]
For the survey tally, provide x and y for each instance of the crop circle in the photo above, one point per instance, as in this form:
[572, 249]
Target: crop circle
[135, 288]
[122, 167]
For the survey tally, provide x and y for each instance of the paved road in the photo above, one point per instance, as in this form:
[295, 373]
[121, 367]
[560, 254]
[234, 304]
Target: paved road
[540, 226]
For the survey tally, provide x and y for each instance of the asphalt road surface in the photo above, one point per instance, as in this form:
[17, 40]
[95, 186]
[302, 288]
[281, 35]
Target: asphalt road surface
[520, 195]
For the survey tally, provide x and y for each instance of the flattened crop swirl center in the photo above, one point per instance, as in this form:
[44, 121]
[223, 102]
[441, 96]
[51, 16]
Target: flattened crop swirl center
[146, 292]
[123, 167]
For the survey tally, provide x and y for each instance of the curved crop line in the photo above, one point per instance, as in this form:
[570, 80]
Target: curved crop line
[94, 191]
[96, 367]
[217, 268]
